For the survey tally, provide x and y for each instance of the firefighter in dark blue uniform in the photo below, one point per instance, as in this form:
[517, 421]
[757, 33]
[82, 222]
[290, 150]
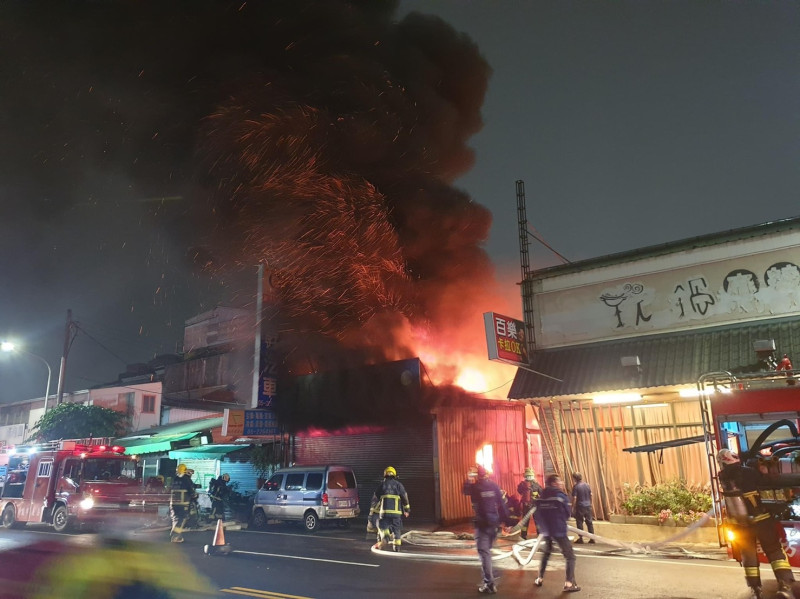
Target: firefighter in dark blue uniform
[490, 513]
[389, 504]
[751, 522]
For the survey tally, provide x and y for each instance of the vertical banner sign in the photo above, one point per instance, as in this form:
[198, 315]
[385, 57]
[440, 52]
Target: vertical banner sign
[268, 380]
[505, 339]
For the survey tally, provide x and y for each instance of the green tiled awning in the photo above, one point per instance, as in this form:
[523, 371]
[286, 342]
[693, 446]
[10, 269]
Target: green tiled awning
[205, 452]
[154, 444]
[666, 360]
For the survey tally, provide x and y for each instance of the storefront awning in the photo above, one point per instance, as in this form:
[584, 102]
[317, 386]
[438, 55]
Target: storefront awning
[154, 444]
[652, 447]
[205, 452]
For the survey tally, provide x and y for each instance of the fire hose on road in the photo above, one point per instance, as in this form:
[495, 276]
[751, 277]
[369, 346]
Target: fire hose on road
[524, 550]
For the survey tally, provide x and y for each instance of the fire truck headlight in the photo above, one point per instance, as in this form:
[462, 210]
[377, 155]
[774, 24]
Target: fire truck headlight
[87, 503]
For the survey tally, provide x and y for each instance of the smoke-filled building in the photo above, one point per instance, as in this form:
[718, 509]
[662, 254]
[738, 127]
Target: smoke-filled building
[377, 416]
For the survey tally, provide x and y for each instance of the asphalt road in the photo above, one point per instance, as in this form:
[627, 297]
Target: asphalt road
[283, 562]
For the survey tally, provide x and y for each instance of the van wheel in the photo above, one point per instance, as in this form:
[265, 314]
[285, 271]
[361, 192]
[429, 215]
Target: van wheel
[259, 519]
[9, 517]
[311, 521]
[60, 519]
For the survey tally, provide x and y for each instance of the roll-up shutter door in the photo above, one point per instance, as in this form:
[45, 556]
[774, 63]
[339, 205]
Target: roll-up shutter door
[243, 474]
[408, 449]
[204, 471]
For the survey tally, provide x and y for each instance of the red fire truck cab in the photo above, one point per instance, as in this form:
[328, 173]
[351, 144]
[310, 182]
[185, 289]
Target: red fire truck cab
[756, 416]
[70, 483]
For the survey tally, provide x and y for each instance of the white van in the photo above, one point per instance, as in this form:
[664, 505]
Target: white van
[308, 494]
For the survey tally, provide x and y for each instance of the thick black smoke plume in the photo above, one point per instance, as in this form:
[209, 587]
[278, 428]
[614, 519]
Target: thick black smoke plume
[320, 138]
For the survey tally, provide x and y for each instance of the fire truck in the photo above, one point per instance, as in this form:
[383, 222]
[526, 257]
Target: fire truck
[756, 416]
[74, 482]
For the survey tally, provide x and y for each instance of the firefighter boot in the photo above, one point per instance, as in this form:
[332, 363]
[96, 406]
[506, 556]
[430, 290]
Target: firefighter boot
[755, 592]
[784, 590]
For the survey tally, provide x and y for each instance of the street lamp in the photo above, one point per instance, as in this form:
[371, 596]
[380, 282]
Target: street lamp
[10, 347]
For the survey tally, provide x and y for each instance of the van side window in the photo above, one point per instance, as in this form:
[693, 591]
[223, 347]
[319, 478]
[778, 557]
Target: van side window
[341, 479]
[314, 481]
[294, 481]
[274, 483]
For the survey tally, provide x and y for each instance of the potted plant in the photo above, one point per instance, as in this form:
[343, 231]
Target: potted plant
[263, 458]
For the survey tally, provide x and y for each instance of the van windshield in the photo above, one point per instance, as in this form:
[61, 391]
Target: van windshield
[341, 479]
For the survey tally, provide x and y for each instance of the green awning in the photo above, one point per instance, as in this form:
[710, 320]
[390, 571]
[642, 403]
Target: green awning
[154, 444]
[205, 452]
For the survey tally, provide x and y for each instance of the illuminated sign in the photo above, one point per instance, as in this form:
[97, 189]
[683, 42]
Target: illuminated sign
[250, 423]
[505, 339]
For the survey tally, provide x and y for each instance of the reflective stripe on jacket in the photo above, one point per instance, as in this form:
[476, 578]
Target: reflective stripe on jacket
[390, 498]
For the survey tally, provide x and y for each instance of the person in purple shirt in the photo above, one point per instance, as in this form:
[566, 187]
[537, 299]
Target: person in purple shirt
[553, 509]
[582, 505]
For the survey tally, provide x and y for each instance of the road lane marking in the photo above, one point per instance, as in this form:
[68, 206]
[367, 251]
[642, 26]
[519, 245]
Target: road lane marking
[260, 593]
[310, 559]
[300, 535]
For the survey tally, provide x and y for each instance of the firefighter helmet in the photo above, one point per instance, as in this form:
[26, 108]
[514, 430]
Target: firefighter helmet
[390, 471]
[726, 456]
[529, 474]
[181, 469]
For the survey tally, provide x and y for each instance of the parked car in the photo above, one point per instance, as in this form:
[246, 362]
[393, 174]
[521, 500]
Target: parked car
[308, 494]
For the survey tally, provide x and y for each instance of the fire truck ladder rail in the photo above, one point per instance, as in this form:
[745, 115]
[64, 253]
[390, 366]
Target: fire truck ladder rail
[707, 383]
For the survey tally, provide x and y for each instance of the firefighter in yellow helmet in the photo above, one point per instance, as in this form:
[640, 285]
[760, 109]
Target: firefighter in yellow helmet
[181, 495]
[389, 504]
[528, 490]
[751, 522]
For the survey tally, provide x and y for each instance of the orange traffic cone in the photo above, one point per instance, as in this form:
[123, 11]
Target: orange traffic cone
[218, 546]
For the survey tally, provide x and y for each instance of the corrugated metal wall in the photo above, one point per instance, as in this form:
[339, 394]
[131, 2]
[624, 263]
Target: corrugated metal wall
[461, 433]
[588, 438]
[408, 449]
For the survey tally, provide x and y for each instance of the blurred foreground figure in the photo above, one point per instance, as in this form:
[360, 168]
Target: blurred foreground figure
[100, 569]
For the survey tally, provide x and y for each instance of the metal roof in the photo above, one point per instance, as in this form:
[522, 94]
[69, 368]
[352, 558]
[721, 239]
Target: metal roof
[666, 360]
[636, 255]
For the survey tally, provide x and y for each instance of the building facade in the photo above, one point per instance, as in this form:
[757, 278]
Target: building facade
[626, 338]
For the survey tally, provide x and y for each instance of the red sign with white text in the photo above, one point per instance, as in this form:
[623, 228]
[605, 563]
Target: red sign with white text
[505, 338]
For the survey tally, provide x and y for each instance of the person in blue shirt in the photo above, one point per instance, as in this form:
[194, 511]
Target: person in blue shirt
[582, 505]
[553, 509]
[491, 512]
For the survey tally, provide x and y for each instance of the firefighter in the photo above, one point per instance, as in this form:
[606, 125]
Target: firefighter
[390, 503]
[181, 496]
[751, 523]
[218, 491]
[528, 490]
[491, 512]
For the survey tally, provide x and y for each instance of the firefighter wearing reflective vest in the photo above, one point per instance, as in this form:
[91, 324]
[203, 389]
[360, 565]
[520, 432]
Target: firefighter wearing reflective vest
[181, 495]
[389, 504]
[751, 523]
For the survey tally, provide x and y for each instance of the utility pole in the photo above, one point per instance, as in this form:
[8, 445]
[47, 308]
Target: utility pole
[69, 335]
[257, 349]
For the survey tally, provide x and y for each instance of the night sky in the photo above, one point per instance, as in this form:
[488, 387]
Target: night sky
[151, 153]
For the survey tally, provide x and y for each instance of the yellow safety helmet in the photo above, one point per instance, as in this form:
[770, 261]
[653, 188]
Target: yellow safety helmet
[530, 474]
[390, 471]
[181, 469]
